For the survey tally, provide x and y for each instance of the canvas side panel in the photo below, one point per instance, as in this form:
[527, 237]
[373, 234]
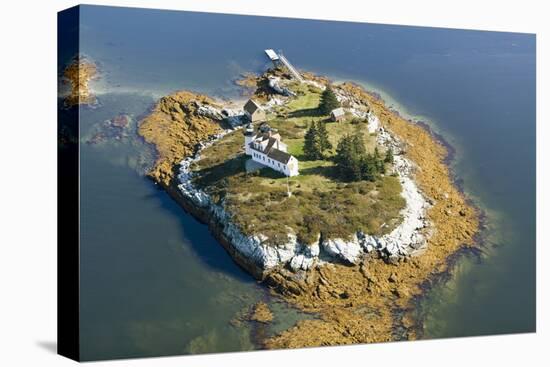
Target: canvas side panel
[67, 195]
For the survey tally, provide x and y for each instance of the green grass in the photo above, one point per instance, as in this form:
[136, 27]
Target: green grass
[306, 101]
[320, 202]
[229, 147]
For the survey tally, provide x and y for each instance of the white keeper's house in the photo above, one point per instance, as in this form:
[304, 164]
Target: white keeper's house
[265, 146]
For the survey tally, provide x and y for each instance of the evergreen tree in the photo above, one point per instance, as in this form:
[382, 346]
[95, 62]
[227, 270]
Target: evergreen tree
[356, 171]
[359, 143]
[344, 158]
[354, 163]
[322, 132]
[343, 150]
[349, 156]
[389, 156]
[381, 166]
[328, 101]
[378, 161]
[369, 167]
[312, 144]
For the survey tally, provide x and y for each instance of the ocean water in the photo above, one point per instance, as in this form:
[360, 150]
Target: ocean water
[155, 282]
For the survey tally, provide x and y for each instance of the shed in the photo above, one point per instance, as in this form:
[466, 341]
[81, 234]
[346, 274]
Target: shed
[254, 111]
[338, 114]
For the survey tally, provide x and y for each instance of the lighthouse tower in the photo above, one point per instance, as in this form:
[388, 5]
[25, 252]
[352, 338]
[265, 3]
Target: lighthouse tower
[249, 135]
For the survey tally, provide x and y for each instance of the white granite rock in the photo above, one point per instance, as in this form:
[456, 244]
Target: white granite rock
[405, 238]
[301, 262]
[313, 250]
[289, 249]
[349, 251]
[373, 123]
[368, 242]
[274, 83]
[209, 111]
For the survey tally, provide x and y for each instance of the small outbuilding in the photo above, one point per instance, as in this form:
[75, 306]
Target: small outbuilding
[338, 114]
[254, 111]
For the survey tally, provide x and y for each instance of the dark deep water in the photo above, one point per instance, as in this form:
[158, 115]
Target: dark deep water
[155, 282]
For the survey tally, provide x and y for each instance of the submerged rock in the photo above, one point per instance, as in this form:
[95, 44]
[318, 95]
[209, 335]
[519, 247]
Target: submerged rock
[261, 313]
[114, 129]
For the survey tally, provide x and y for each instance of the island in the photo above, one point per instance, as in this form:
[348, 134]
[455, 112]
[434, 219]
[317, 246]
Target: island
[334, 201]
[77, 75]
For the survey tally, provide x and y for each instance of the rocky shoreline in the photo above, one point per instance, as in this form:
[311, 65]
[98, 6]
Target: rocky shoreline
[342, 279]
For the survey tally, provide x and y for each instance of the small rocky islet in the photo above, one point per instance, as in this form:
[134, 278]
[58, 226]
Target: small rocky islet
[77, 76]
[362, 283]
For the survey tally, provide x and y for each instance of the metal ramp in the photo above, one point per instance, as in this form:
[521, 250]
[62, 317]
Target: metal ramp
[290, 68]
[281, 59]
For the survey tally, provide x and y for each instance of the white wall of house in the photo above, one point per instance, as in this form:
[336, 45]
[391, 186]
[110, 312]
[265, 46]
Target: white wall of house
[289, 169]
[286, 169]
[292, 167]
